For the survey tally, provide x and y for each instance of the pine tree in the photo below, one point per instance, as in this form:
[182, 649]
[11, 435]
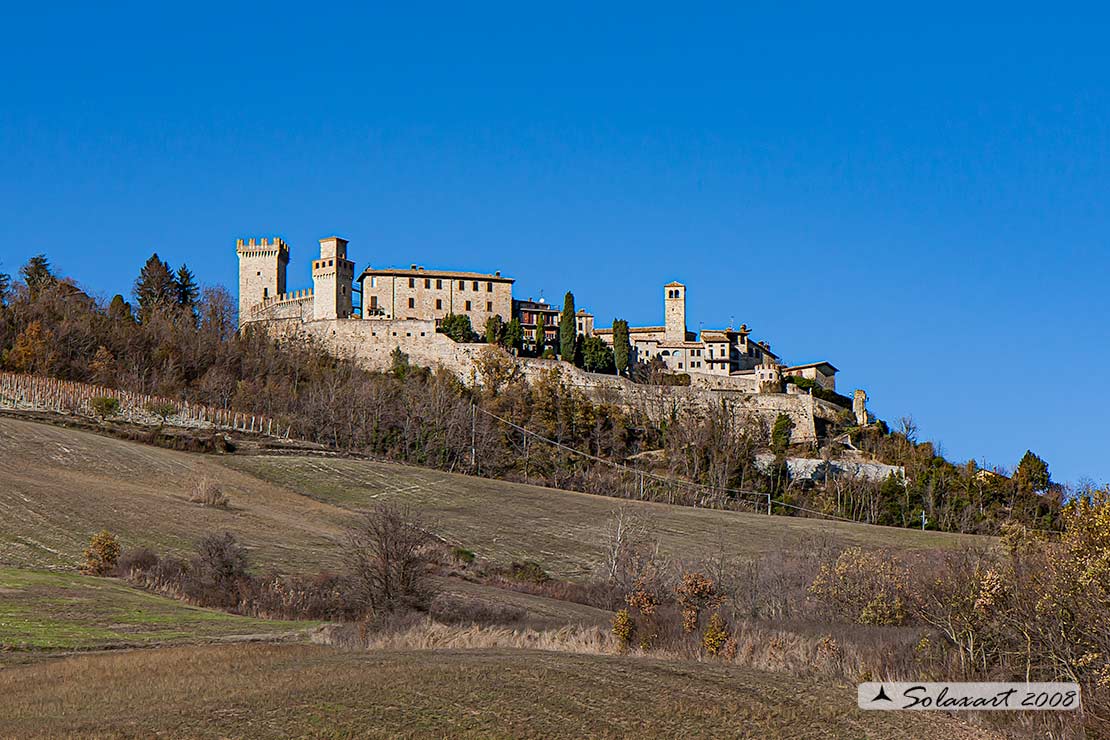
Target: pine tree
[622, 347]
[1032, 473]
[567, 329]
[156, 288]
[187, 289]
[5, 287]
[37, 275]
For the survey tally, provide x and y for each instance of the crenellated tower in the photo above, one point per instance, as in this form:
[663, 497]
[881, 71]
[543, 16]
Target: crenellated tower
[674, 312]
[333, 276]
[262, 264]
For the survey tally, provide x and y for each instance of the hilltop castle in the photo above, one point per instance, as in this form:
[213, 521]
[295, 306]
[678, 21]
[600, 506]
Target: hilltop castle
[405, 307]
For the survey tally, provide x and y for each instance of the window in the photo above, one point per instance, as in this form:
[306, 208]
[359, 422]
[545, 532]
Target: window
[439, 284]
[412, 282]
[373, 301]
[489, 287]
[468, 305]
[427, 282]
[373, 282]
[474, 284]
[265, 292]
[439, 303]
[489, 305]
[462, 285]
[412, 303]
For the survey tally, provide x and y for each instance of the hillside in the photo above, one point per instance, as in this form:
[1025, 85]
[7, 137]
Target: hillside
[286, 691]
[61, 486]
[60, 611]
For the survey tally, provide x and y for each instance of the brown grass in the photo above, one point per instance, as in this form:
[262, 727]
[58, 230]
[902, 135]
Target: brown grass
[61, 486]
[296, 691]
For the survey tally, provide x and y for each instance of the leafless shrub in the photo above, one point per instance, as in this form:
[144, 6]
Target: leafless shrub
[451, 609]
[388, 555]
[136, 560]
[207, 492]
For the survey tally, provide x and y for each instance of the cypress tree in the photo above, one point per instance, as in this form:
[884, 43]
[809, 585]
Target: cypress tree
[622, 347]
[514, 335]
[567, 330]
[540, 337]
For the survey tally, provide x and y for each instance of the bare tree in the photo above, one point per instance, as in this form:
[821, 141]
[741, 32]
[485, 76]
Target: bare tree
[388, 557]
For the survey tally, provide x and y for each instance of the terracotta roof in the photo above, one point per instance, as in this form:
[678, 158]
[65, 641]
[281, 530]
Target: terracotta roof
[449, 274]
[674, 283]
[809, 365]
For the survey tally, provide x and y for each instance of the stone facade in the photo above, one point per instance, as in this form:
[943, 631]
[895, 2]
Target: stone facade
[262, 264]
[417, 293]
[332, 277]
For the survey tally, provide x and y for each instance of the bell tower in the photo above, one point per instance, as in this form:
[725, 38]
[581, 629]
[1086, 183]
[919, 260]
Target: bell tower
[674, 312]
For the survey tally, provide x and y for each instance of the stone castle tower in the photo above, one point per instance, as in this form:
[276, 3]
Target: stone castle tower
[262, 264]
[674, 312]
[333, 276]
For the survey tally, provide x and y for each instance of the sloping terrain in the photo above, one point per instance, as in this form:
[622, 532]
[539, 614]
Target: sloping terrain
[298, 691]
[42, 611]
[58, 487]
[563, 530]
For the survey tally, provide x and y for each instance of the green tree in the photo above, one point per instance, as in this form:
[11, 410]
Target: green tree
[187, 289]
[596, 356]
[780, 434]
[399, 363]
[622, 347]
[155, 288]
[1031, 474]
[495, 327]
[540, 336]
[514, 335]
[120, 310]
[38, 275]
[568, 331]
[457, 326]
[5, 287]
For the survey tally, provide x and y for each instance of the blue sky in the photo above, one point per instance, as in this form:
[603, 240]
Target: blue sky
[919, 197]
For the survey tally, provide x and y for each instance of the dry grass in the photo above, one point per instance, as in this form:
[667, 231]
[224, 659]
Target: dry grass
[61, 486]
[297, 691]
[562, 530]
[424, 634]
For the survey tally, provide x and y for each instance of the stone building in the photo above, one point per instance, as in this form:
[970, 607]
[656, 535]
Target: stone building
[722, 353]
[417, 293]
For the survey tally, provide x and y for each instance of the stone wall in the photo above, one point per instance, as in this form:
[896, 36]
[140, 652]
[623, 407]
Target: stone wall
[371, 343]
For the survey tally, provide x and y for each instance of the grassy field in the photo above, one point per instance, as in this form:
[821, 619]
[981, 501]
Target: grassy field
[41, 611]
[299, 691]
[563, 530]
[58, 487]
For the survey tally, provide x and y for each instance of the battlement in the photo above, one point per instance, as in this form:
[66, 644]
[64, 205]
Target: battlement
[262, 245]
[271, 301]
